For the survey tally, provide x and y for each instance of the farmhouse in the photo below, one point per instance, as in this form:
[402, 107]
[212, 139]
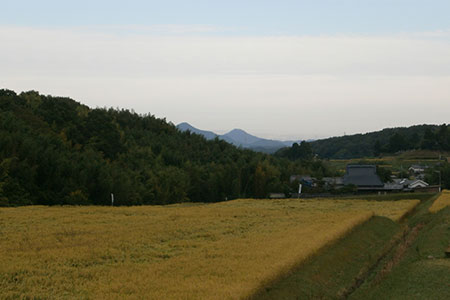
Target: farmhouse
[417, 169]
[417, 184]
[404, 184]
[364, 177]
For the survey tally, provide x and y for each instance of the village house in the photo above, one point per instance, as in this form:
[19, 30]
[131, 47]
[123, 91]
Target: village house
[417, 169]
[418, 183]
[405, 184]
[364, 177]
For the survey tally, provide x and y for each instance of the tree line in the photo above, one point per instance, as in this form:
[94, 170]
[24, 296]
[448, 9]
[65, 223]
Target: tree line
[386, 141]
[54, 150]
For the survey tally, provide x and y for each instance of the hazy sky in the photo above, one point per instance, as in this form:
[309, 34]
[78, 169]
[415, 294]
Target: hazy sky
[277, 69]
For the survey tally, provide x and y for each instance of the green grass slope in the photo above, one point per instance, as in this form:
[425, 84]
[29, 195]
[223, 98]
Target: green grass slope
[334, 271]
[422, 272]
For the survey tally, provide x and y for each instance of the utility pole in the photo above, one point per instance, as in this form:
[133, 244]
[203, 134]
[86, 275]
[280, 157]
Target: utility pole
[439, 179]
[440, 186]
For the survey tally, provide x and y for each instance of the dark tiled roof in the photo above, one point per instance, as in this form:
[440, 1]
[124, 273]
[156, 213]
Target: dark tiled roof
[362, 176]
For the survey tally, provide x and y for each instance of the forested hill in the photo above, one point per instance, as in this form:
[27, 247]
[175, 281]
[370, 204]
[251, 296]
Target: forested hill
[392, 140]
[56, 151]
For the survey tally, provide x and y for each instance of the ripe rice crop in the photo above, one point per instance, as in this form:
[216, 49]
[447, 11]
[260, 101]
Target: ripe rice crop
[224, 250]
[441, 202]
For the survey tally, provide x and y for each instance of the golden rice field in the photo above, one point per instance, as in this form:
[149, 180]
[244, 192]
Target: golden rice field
[188, 251]
[441, 202]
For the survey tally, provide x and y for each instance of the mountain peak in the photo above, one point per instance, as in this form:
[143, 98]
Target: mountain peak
[239, 138]
[209, 135]
[237, 130]
[185, 126]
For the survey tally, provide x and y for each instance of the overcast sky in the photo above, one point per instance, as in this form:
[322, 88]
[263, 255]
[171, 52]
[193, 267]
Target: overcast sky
[277, 69]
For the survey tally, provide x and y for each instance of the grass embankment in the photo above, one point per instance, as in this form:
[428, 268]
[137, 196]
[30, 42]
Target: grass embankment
[339, 270]
[332, 272]
[213, 251]
[417, 267]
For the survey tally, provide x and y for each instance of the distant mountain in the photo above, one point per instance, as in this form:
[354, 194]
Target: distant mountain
[209, 135]
[240, 138]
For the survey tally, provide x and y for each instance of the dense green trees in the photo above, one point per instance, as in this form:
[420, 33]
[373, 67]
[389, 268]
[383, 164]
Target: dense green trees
[56, 151]
[384, 174]
[302, 151]
[386, 141]
[439, 174]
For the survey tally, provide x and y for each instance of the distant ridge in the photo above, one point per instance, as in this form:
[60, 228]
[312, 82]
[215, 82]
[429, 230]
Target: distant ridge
[209, 135]
[240, 138]
[388, 140]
